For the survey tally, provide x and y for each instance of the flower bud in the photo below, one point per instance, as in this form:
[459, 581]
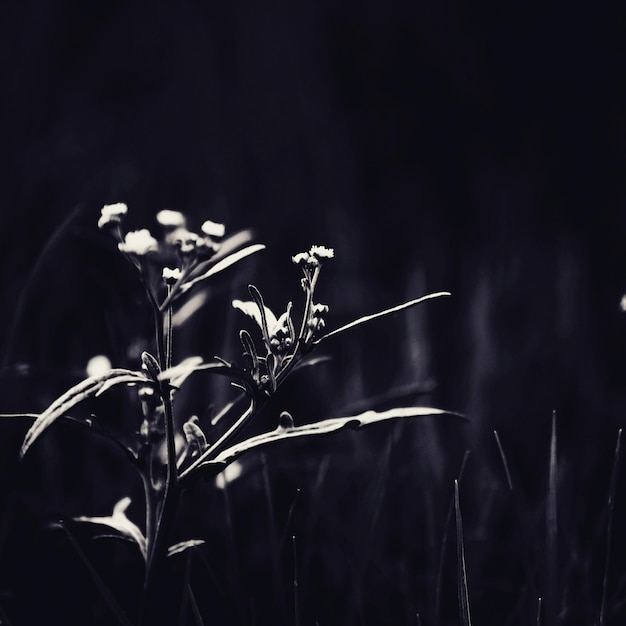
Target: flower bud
[112, 214]
[171, 276]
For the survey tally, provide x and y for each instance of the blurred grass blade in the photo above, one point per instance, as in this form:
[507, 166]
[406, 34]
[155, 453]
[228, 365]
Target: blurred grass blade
[223, 264]
[368, 318]
[319, 428]
[195, 609]
[444, 543]
[464, 609]
[538, 611]
[105, 592]
[552, 531]
[296, 607]
[118, 521]
[524, 544]
[85, 389]
[609, 525]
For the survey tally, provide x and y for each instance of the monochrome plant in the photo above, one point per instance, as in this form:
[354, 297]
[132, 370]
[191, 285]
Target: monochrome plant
[168, 458]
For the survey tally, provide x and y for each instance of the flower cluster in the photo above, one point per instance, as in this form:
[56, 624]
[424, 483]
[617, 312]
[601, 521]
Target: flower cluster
[189, 248]
[314, 257]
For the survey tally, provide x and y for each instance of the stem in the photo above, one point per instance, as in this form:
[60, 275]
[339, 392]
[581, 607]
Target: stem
[172, 292]
[157, 549]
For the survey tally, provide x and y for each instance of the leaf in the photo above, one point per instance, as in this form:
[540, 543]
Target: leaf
[121, 523]
[251, 309]
[85, 389]
[263, 310]
[368, 318]
[180, 547]
[464, 607]
[223, 264]
[179, 373]
[104, 591]
[319, 428]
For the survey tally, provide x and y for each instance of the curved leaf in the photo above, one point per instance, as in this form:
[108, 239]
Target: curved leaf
[319, 428]
[223, 264]
[118, 521]
[85, 389]
[368, 318]
[177, 548]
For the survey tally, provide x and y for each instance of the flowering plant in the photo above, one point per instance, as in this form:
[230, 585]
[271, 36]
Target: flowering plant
[167, 460]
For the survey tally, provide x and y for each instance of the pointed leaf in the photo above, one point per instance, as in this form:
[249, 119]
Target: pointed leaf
[121, 523]
[319, 428]
[368, 318]
[266, 319]
[223, 264]
[85, 389]
[177, 548]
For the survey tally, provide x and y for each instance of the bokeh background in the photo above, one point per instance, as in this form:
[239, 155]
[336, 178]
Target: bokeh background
[435, 146]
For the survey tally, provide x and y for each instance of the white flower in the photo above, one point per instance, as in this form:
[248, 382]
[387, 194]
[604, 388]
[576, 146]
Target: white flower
[171, 219]
[138, 242]
[112, 214]
[322, 252]
[170, 276]
[213, 229]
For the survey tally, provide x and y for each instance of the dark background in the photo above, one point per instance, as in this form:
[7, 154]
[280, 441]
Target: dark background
[436, 146]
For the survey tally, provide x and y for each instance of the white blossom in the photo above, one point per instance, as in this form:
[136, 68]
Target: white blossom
[213, 229]
[138, 242]
[171, 219]
[112, 214]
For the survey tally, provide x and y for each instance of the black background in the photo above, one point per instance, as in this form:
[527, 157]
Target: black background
[436, 146]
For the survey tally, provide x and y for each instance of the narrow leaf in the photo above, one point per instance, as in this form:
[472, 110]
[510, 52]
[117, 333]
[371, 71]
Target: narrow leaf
[121, 523]
[85, 389]
[464, 608]
[609, 525]
[368, 318]
[180, 547]
[105, 592]
[263, 310]
[223, 264]
[551, 531]
[320, 428]
[250, 348]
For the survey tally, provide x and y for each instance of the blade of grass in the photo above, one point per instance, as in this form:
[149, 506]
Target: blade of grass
[524, 544]
[105, 592]
[288, 520]
[184, 600]
[609, 525]
[274, 545]
[539, 611]
[552, 531]
[464, 609]
[296, 608]
[444, 544]
[195, 609]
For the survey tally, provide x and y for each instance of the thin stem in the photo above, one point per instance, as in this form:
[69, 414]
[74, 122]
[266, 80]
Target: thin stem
[172, 292]
[158, 549]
